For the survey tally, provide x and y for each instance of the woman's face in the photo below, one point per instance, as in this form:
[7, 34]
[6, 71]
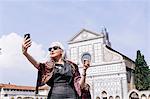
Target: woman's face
[55, 52]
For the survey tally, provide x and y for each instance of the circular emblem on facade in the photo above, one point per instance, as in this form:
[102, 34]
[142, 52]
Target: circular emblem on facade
[84, 35]
[85, 56]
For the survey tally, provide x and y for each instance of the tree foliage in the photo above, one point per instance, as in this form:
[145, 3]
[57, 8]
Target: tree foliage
[142, 73]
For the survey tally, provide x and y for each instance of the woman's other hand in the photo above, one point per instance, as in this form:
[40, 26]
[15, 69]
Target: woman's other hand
[86, 64]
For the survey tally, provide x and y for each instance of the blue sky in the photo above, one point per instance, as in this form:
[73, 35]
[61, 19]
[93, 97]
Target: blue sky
[127, 21]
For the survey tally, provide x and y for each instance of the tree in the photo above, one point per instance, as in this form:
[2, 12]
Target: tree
[142, 73]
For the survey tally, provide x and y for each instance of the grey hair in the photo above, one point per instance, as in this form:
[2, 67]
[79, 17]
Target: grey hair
[64, 56]
[47, 58]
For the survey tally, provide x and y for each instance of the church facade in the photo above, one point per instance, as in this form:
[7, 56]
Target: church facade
[110, 74]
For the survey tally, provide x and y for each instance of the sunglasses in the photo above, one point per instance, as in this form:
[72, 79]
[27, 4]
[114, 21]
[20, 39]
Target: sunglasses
[54, 48]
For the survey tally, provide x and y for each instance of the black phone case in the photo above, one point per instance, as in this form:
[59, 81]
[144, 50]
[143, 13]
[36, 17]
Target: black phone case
[27, 35]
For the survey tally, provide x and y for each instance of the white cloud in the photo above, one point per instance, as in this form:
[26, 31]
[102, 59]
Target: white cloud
[14, 67]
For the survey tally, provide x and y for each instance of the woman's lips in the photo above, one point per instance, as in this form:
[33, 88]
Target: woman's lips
[52, 53]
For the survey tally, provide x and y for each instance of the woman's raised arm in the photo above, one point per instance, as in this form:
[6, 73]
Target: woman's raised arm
[25, 45]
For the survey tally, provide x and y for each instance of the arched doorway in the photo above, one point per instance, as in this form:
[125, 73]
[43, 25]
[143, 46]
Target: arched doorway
[117, 97]
[19, 97]
[104, 95]
[143, 96]
[97, 97]
[111, 97]
[133, 95]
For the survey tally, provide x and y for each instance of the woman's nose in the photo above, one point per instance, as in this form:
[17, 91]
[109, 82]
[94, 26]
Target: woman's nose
[52, 50]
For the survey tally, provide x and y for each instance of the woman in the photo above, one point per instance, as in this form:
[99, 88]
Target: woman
[60, 74]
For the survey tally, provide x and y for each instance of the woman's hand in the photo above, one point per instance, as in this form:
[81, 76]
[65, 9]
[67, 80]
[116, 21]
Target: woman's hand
[86, 64]
[25, 45]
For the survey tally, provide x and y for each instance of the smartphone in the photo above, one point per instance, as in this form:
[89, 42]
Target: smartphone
[27, 35]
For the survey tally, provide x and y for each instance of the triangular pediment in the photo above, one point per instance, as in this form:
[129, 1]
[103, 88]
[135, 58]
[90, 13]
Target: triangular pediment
[84, 35]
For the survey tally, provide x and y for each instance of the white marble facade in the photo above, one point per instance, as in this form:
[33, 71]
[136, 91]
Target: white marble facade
[107, 74]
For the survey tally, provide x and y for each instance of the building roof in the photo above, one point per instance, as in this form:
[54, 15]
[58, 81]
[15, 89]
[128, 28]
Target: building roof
[120, 53]
[18, 87]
